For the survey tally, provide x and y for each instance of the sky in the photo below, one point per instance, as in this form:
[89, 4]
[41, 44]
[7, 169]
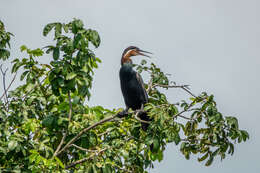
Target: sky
[211, 45]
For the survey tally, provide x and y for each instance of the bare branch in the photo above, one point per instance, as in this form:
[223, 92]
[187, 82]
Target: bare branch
[123, 169]
[83, 149]
[33, 88]
[137, 118]
[70, 111]
[4, 74]
[61, 142]
[9, 86]
[85, 130]
[184, 87]
[96, 154]
[106, 132]
[187, 110]
[86, 159]
[184, 117]
[150, 85]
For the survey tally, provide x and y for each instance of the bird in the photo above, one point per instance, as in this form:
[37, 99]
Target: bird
[132, 85]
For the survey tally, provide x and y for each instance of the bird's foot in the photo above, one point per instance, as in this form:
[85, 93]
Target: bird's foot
[122, 114]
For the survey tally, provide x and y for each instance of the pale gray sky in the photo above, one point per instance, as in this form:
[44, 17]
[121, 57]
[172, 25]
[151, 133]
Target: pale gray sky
[213, 45]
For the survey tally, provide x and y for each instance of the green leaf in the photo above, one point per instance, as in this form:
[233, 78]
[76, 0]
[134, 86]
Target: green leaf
[59, 162]
[29, 87]
[156, 144]
[209, 162]
[48, 28]
[71, 76]
[23, 48]
[48, 121]
[177, 138]
[23, 75]
[160, 156]
[106, 169]
[12, 145]
[143, 62]
[245, 135]
[94, 38]
[56, 53]
[65, 28]
[231, 149]
[58, 31]
[4, 54]
[203, 157]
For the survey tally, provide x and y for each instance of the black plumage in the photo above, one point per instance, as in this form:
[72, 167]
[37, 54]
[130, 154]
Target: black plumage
[132, 86]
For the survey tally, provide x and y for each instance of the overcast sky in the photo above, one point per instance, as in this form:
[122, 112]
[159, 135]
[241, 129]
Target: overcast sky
[212, 45]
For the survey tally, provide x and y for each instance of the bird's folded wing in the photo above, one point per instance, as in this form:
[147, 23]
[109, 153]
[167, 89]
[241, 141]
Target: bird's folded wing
[140, 80]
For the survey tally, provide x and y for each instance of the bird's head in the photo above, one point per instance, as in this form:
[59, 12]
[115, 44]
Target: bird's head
[132, 51]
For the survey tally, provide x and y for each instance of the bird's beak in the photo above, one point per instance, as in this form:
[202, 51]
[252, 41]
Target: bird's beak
[140, 52]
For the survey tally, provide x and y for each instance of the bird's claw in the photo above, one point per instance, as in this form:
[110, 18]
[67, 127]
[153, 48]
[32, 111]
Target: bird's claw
[122, 114]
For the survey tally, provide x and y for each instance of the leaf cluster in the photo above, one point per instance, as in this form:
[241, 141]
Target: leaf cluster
[4, 42]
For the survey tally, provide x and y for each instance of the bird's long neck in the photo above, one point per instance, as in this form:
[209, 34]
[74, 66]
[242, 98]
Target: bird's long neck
[126, 59]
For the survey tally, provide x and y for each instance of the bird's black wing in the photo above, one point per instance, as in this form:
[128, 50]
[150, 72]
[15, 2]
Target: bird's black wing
[141, 82]
[143, 115]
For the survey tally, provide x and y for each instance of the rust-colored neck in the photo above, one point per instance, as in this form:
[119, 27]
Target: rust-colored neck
[126, 59]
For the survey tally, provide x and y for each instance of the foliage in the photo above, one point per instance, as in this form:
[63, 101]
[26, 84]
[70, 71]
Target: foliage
[46, 125]
[4, 42]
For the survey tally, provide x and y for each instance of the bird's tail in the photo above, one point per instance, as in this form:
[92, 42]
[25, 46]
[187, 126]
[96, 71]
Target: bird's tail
[144, 126]
[145, 117]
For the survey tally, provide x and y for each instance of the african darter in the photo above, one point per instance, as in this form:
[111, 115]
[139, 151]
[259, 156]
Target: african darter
[132, 85]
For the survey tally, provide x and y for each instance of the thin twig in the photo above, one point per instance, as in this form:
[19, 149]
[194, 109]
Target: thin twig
[185, 117]
[4, 74]
[85, 159]
[189, 92]
[150, 85]
[70, 111]
[137, 118]
[60, 144]
[93, 126]
[123, 169]
[96, 154]
[85, 130]
[187, 110]
[83, 149]
[9, 86]
[101, 134]
[184, 87]
[33, 88]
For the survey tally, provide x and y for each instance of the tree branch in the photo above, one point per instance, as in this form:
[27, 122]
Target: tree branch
[179, 115]
[70, 111]
[137, 118]
[4, 74]
[187, 110]
[96, 154]
[83, 149]
[85, 159]
[184, 87]
[150, 85]
[9, 86]
[61, 142]
[33, 88]
[85, 130]
[123, 169]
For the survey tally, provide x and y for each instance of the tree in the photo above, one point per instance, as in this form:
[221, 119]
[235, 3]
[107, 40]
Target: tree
[47, 125]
